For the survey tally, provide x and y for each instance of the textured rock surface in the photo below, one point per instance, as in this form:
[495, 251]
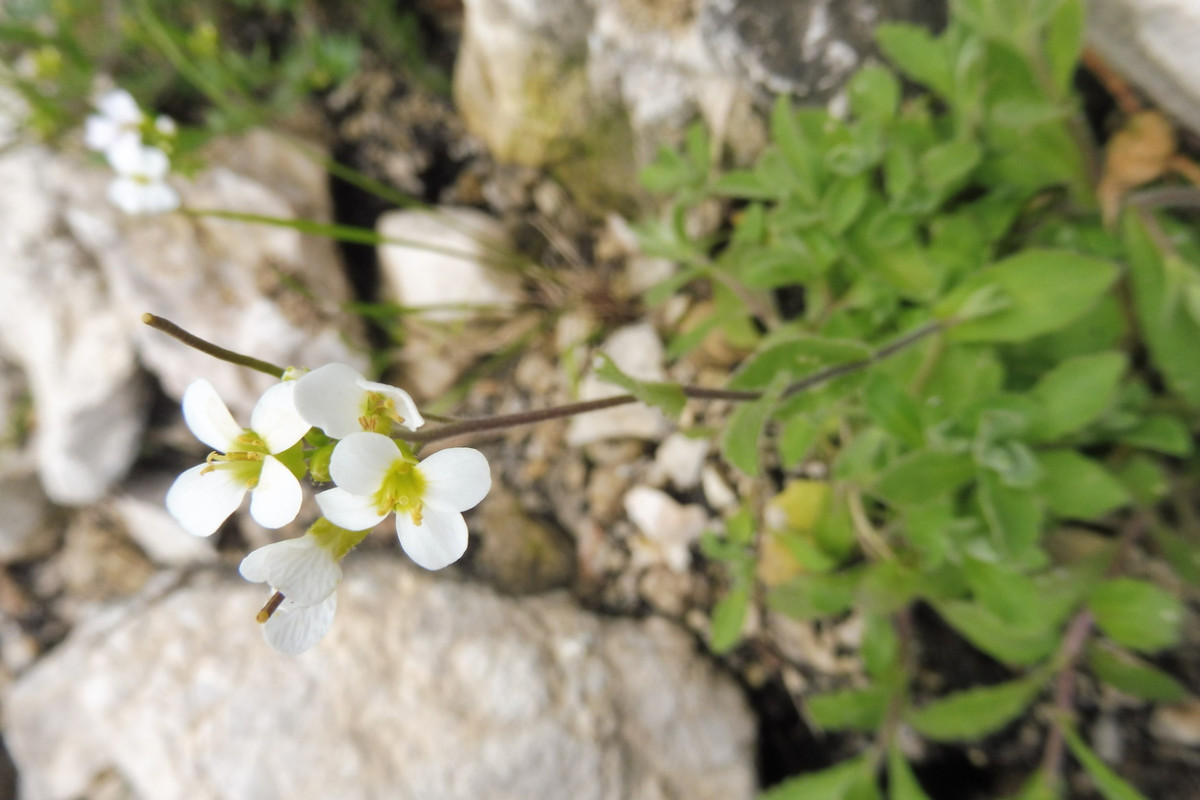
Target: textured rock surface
[1152, 43]
[638, 352]
[424, 689]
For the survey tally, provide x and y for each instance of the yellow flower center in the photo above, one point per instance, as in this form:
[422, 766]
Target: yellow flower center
[402, 490]
[379, 414]
[244, 459]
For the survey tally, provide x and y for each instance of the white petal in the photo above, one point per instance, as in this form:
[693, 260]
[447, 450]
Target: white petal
[207, 416]
[126, 194]
[301, 569]
[202, 501]
[276, 499]
[330, 398]
[405, 406]
[361, 460]
[438, 541]
[294, 630]
[119, 106]
[100, 133]
[275, 418]
[350, 511]
[157, 198]
[456, 479]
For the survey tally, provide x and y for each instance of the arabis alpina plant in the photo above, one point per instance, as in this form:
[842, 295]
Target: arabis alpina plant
[247, 460]
[339, 401]
[303, 575]
[377, 476]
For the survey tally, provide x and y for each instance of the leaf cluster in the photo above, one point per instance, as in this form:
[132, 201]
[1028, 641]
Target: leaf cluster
[1056, 406]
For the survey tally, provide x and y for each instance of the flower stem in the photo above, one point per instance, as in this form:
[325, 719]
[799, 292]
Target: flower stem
[204, 346]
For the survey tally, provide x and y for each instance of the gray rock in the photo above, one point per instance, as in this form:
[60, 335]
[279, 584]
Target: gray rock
[424, 689]
[58, 324]
[1152, 43]
[140, 504]
[26, 528]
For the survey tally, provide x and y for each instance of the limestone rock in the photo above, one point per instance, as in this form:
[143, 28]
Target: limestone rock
[668, 528]
[58, 324]
[1152, 43]
[226, 281]
[26, 529]
[140, 505]
[424, 689]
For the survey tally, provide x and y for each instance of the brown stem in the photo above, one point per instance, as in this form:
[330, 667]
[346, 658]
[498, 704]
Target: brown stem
[1070, 652]
[204, 346]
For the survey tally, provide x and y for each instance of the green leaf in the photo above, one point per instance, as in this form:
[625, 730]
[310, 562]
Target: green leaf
[999, 639]
[1133, 676]
[794, 358]
[843, 202]
[739, 440]
[902, 783]
[1110, 785]
[1064, 42]
[874, 93]
[1038, 787]
[728, 616]
[1181, 553]
[880, 646]
[815, 596]
[1075, 393]
[801, 157]
[916, 53]
[832, 783]
[1047, 290]
[849, 709]
[666, 396]
[1014, 517]
[1144, 478]
[1161, 433]
[1137, 614]
[923, 476]
[974, 713]
[949, 163]
[1077, 487]
[1169, 332]
[1005, 592]
[746, 185]
[894, 410]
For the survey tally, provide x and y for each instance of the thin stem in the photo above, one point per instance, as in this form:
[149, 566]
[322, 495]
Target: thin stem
[195, 342]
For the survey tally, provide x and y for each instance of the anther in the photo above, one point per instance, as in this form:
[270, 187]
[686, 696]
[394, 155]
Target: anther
[270, 608]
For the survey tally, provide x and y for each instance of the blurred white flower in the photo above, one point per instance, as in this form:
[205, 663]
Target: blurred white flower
[203, 497]
[141, 184]
[118, 120]
[375, 477]
[303, 575]
[340, 401]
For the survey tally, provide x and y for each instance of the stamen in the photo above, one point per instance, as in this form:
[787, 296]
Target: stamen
[270, 608]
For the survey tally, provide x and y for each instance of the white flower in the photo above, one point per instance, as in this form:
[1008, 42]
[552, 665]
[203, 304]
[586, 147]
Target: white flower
[303, 575]
[119, 120]
[141, 184]
[339, 401]
[375, 477]
[203, 497]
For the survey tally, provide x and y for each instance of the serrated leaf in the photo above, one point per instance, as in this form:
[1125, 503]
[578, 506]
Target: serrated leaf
[1111, 785]
[728, 617]
[974, 713]
[849, 709]
[1137, 614]
[1133, 676]
[666, 396]
[902, 783]
[1075, 393]
[990, 634]
[923, 476]
[1077, 487]
[1046, 289]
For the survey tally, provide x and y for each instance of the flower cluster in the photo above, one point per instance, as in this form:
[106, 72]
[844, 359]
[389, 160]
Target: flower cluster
[120, 131]
[334, 424]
